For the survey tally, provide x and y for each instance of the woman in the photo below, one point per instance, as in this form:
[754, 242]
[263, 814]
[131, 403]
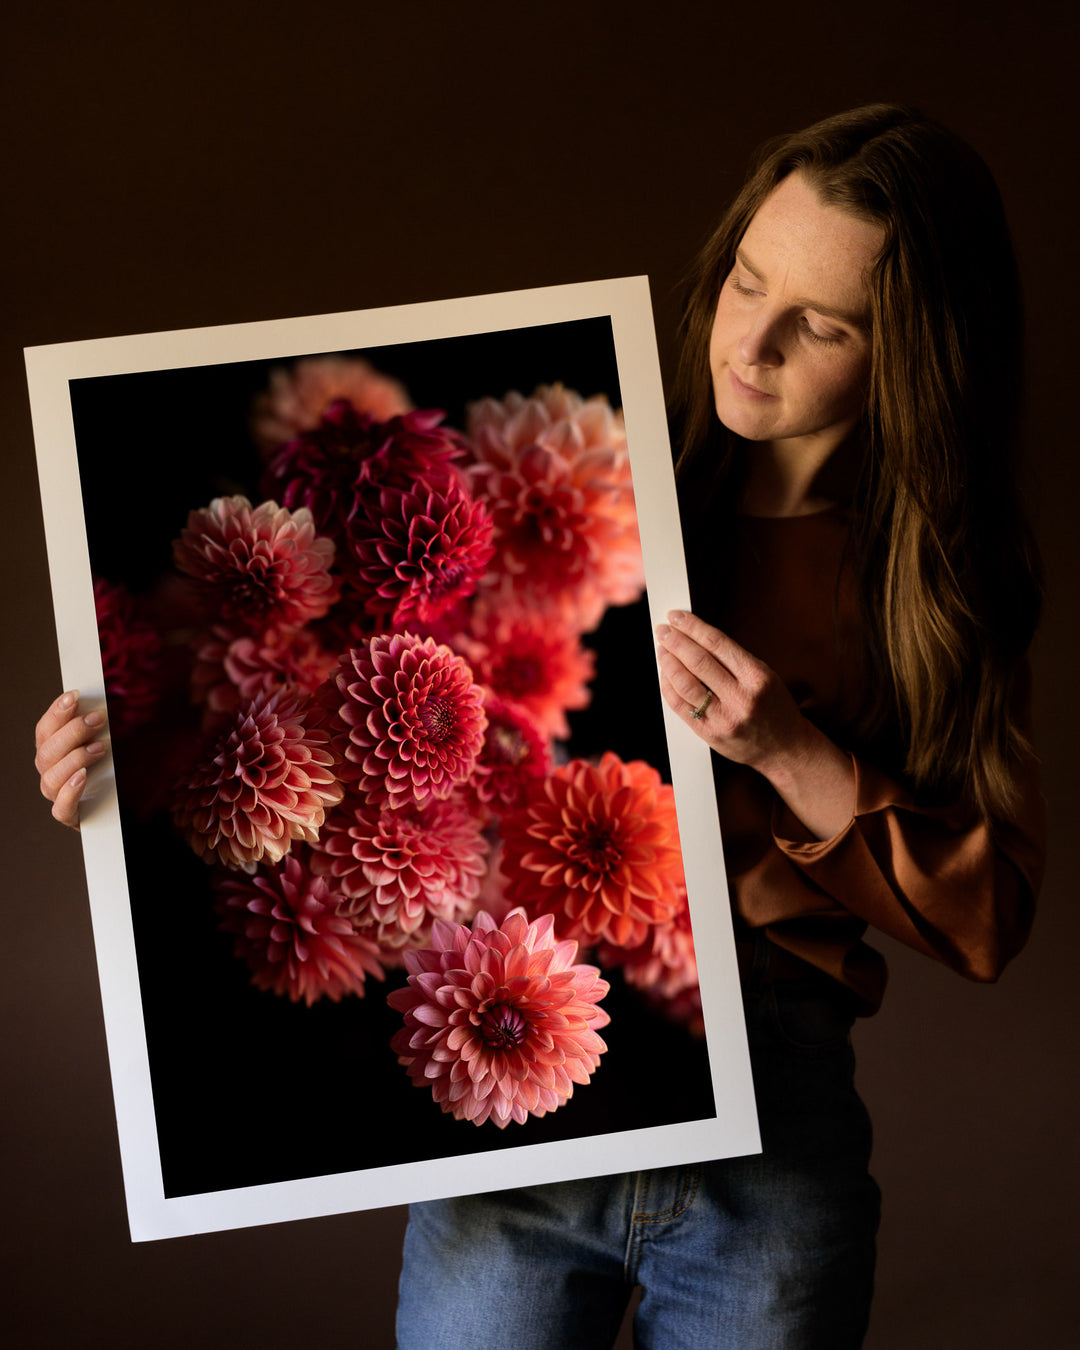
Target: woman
[866, 592]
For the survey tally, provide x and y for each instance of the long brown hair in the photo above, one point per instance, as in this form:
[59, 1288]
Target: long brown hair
[947, 572]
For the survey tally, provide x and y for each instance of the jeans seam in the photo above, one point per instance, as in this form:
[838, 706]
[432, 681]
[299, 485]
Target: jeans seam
[640, 1218]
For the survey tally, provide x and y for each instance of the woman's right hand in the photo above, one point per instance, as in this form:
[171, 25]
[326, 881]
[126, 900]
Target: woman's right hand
[66, 748]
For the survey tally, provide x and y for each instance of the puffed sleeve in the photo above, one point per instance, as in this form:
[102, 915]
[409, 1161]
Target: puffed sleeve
[940, 879]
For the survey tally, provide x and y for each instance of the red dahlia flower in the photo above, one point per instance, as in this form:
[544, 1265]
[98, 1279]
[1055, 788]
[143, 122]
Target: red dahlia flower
[350, 457]
[267, 781]
[417, 553]
[664, 967]
[599, 849]
[400, 869]
[515, 758]
[499, 1022]
[130, 657]
[407, 719]
[298, 397]
[257, 566]
[292, 933]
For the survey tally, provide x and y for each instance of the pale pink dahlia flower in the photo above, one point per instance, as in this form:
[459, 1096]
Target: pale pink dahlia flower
[401, 869]
[292, 933]
[499, 1021]
[415, 554]
[407, 719]
[598, 848]
[131, 652]
[530, 656]
[257, 565]
[555, 471]
[267, 780]
[231, 670]
[298, 397]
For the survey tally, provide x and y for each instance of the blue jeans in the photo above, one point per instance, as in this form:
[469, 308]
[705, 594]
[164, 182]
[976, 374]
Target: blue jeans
[770, 1252]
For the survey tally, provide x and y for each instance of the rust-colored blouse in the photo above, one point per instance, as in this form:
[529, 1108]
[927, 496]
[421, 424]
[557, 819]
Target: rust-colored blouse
[937, 878]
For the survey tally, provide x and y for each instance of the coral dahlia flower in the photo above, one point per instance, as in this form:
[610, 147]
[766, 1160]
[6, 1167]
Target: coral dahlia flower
[555, 472]
[130, 657]
[664, 967]
[256, 566]
[266, 781]
[598, 848]
[407, 719]
[298, 397]
[499, 1021]
[290, 930]
[400, 869]
[530, 656]
[419, 552]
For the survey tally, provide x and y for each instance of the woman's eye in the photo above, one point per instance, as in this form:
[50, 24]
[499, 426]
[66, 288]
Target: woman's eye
[814, 336]
[739, 288]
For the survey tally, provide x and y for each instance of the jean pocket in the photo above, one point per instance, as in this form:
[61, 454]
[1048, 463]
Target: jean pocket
[811, 1017]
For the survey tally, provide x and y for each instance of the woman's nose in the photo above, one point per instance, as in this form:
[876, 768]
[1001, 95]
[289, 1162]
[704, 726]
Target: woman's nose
[760, 344]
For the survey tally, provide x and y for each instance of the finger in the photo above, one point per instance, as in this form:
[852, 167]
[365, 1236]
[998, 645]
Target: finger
[683, 705]
[723, 649]
[62, 764]
[68, 736]
[688, 686]
[56, 715]
[66, 806]
[703, 669]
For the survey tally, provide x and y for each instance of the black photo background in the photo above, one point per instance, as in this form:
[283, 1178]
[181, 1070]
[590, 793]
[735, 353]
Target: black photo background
[248, 1087]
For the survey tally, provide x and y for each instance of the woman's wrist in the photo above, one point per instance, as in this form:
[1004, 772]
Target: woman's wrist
[815, 779]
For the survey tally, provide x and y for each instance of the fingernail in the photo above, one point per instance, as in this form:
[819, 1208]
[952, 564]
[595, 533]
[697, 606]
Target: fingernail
[94, 719]
[77, 778]
[67, 700]
[676, 616]
[662, 631]
[95, 748]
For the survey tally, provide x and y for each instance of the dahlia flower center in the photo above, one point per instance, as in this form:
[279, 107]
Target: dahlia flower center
[503, 1027]
[509, 745]
[518, 676]
[597, 849]
[437, 719]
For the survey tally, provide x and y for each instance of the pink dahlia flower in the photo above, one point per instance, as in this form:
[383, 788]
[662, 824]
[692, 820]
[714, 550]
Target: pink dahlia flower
[400, 869]
[598, 848]
[298, 397]
[530, 656]
[292, 933]
[417, 553]
[349, 458]
[231, 670]
[555, 472]
[515, 758]
[267, 780]
[407, 718]
[131, 654]
[499, 1021]
[257, 565]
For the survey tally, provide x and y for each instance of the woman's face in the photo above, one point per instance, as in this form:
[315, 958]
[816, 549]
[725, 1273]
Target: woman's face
[790, 347]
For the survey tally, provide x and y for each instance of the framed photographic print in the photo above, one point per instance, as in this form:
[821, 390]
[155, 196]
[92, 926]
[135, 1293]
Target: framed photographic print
[404, 884]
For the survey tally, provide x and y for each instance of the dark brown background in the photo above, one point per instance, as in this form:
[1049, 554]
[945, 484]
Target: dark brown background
[176, 165]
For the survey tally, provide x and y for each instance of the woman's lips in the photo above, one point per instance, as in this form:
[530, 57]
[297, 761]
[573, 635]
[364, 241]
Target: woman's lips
[747, 390]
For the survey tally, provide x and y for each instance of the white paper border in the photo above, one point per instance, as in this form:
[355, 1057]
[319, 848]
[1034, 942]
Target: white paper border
[734, 1130]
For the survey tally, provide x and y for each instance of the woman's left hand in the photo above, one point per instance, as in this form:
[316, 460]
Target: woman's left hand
[743, 710]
